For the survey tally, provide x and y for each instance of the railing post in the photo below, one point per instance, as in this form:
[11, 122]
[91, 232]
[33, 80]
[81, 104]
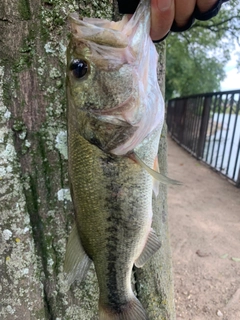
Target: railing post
[238, 180]
[170, 116]
[204, 126]
[182, 119]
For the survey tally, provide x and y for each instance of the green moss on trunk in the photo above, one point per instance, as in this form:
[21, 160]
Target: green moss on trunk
[24, 9]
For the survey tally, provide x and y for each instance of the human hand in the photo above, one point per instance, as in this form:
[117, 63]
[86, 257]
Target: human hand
[174, 15]
[178, 15]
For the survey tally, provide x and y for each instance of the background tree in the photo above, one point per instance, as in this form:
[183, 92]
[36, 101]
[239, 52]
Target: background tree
[196, 58]
[35, 207]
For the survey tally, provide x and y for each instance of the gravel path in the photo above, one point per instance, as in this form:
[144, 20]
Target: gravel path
[204, 217]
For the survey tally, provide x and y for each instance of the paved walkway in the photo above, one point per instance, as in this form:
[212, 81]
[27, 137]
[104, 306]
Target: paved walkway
[204, 216]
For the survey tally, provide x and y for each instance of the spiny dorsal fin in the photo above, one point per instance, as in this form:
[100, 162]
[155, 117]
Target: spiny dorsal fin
[76, 262]
[152, 246]
[156, 175]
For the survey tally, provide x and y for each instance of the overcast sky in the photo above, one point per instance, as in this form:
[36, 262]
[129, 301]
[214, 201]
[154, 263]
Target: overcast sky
[232, 81]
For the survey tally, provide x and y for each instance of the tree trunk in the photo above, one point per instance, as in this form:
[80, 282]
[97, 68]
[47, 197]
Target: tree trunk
[35, 205]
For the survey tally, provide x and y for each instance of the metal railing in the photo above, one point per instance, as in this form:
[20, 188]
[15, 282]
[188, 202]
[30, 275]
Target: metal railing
[208, 126]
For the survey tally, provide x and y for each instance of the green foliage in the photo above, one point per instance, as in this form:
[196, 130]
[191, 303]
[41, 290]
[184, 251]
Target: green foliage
[196, 58]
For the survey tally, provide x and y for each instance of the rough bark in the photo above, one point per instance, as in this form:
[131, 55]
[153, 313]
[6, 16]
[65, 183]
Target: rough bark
[35, 205]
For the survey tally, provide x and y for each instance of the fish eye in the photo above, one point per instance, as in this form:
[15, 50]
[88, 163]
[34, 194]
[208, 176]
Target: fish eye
[79, 68]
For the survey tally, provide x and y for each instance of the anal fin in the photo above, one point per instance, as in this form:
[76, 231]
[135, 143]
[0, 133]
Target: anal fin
[152, 246]
[76, 262]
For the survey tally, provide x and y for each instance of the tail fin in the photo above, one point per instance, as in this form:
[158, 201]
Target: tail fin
[132, 310]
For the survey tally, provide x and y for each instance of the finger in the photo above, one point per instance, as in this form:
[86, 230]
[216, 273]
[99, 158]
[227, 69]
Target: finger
[162, 15]
[183, 11]
[205, 5]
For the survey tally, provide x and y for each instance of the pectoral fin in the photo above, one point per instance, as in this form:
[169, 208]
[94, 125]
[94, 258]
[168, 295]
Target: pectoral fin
[152, 246]
[156, 175]
[76, 262]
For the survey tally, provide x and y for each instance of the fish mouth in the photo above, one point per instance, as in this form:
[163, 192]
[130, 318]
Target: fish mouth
[100, 32]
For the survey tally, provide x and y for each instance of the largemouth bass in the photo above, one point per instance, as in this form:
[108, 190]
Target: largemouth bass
[115, 118]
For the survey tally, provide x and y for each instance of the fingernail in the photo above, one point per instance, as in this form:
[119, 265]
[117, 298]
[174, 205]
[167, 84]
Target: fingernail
[164, 5]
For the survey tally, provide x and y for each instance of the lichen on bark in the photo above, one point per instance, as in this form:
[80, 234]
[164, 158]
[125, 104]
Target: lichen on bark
[36, 212]
[21, 288]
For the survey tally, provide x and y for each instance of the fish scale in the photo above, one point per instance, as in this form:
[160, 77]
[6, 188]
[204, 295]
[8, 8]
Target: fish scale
[112, 218]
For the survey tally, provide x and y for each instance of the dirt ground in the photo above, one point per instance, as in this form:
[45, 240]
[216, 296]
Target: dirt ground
[204, 221]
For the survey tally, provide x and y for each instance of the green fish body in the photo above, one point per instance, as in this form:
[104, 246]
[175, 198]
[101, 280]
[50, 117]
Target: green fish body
[115, 117]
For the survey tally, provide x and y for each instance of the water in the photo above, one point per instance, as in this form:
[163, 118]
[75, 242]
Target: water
[222, 150]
